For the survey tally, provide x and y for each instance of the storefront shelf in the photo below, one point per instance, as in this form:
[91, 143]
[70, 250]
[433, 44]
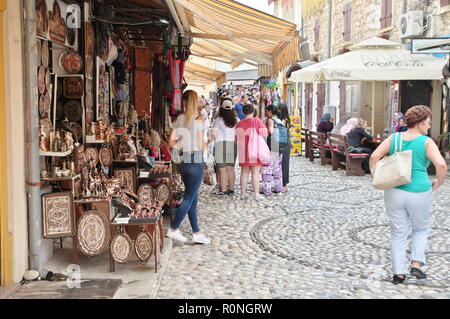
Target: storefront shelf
[55, 154]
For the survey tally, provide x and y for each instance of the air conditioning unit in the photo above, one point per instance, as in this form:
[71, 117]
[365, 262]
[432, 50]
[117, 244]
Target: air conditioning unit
[411, 24]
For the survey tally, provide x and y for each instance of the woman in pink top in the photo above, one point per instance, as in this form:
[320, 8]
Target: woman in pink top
[243, 129]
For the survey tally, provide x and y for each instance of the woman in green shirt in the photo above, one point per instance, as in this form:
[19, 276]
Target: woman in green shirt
[411, 203]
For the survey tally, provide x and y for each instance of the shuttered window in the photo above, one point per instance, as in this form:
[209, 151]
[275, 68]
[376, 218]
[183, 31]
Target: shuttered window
[317, 35]
[386, 13]
[347, 21]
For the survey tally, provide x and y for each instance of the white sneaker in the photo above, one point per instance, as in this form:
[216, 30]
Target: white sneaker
[200, 239]
[259, 197]
[243, 196]
[176, 235]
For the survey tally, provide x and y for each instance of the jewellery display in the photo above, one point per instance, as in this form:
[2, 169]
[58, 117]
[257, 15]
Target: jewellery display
[143, 246]
[93, 233]
[121, 247]
[57, 215]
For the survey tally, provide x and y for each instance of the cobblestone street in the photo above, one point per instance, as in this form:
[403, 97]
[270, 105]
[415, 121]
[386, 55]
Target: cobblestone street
[328, 237]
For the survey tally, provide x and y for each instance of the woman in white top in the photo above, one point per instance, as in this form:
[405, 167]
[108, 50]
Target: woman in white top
[225, 149]
[189, 130]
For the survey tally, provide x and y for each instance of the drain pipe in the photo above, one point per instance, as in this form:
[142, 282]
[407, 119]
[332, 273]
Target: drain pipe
[32, 118]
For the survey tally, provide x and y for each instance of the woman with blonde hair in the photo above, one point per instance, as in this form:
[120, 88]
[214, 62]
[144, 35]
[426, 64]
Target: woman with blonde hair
[188, 133]
[411, 203]
[356, 143]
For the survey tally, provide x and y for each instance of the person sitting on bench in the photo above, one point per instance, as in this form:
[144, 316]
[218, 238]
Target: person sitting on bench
[355, 140]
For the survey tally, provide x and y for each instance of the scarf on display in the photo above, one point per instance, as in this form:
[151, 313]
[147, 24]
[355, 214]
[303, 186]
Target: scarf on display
[176, 65]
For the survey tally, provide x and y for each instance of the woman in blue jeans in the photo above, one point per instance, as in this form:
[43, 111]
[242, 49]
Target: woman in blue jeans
[411, 203]
[188, 137]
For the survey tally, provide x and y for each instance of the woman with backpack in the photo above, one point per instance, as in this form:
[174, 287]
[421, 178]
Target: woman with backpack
[286, 121]
[277, 142]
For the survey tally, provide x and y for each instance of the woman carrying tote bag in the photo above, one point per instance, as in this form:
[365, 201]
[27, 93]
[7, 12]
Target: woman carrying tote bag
[411, 203]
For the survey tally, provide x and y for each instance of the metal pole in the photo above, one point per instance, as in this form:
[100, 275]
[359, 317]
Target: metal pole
[32, 127]
[373, 109]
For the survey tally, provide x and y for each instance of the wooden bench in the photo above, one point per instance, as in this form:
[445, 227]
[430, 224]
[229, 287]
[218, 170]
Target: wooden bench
[305, 142]
[338, 146]
[318, 146]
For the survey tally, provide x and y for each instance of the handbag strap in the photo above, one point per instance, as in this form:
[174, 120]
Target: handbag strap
[398, 135]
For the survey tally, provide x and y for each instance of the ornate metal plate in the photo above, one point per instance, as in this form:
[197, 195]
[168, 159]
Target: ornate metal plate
[41, 18]
[163, 193]
[56, 24]
[143, 246]
[71, 62]
[89, 67]
[73, 111]
[48, 80]
[91, 156]
[93, 233]
[42, 106]
[41, 80]
[57, 215]
[106, 156]
[73, 87]
[47, 103]
[145, 194]
[45, 54]
[121, 246]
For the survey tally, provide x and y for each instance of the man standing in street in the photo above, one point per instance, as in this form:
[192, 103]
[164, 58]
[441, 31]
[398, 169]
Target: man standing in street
[238, 107]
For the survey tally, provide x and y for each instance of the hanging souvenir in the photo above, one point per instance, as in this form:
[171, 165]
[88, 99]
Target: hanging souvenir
[57, 215]
[41, 18]
[121, 247]
[143, 246]
[145, 194]
[93, 233]
[73, 110]
[56, 25]
[71, 62]
[41, 80]
[106, 156]
[91, 156]
[90, 40]
[163, 193]
[45, 54]
[73, 87]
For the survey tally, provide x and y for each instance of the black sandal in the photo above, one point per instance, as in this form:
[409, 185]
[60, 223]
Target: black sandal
[398, 280]
[419, 274]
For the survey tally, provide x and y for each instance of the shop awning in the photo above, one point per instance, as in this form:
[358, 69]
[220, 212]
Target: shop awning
[198, 74]
[234, 33]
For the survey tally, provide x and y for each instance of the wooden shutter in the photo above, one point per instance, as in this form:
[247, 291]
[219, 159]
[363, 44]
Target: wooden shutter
[342, 97]
[317, 35]
[388, 14]
[383, 14]
[347, 21]
[308, 105]
[320, 100]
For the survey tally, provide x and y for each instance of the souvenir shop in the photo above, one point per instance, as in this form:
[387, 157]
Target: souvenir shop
[110, 83]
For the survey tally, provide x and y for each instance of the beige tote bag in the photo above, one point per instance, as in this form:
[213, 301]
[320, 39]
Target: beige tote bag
[394, 170]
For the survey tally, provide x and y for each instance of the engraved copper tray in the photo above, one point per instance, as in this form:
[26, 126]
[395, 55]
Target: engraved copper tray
[41, 80]
[106, 156]
[163, 193]
[45, 54]
[71, 61]
[145, 194]
[73, 87]
[93, 233]
[143, 246]
[121, 246]
[57, 215]
[73, 111]
[91, 156]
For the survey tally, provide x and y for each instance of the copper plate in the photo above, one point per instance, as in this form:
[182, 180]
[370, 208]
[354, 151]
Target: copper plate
[106, 156]
[73, 110]
[41, 18]
[143, 246]
[45, 54]
[93, 233]
[41, 80]
[121, 247]
[145, 194]
[73, 87]
[163, 193]
[57, 215]
[48, 80]
[91, 155]
[47, 103]
[42, 106]
[71, 62]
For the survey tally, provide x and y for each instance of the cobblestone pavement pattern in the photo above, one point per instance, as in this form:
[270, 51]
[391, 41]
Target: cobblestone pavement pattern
[328, 237]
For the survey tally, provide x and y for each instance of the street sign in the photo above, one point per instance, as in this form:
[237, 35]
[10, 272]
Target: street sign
[430, 46]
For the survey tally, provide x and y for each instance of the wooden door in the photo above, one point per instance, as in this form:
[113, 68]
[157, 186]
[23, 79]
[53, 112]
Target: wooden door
[308, 105]
[342, 95]
[320, 100]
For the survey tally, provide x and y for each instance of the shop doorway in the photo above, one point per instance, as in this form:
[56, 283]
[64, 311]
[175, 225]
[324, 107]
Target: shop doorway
[414, 93]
